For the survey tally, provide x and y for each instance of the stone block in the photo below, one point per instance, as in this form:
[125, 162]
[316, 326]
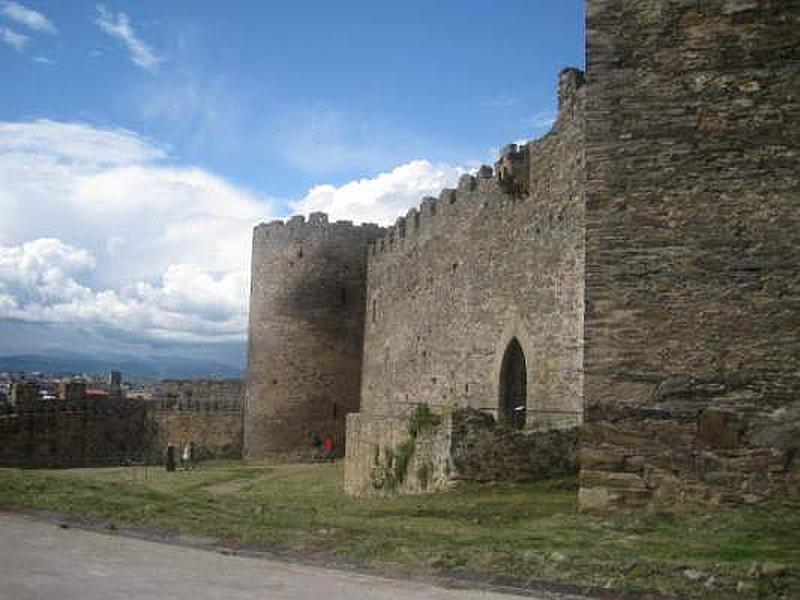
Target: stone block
[484, 172]
[595, 498]
[603, 499]
[635, 464]
[601, 459]
[720, 428]
[627, 481]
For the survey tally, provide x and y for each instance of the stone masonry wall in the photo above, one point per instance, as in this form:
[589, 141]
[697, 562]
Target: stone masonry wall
[228, 393]
[496, 259]
[376, 447]
[482, 450]
[306, 332]
[215, 430]
[206, 412]
[692, 358]
[83, 432]
[463, 444]
[453, 283]
[75, 434]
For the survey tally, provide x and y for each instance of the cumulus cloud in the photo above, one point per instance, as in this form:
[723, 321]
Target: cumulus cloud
[383, 198]
[28, 17]
[119, 27]
[16, 40]
[100, 233]
[97, 230]
[75, 143]
[39, 283]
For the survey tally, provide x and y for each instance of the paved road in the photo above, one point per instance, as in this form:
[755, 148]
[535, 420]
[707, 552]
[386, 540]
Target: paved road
[39, 560]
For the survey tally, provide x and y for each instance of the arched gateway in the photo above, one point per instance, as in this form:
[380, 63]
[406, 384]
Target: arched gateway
[513, 386]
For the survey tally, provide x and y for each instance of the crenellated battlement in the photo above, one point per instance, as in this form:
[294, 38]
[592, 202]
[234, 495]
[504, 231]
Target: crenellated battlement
[508, 180]
[317, 223]
[517, 174]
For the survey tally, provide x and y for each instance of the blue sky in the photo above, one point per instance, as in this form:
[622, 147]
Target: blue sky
[119, 112]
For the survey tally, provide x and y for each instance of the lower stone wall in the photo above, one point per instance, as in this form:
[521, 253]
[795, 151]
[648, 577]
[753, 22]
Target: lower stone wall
[635, 457]
[383, 457]
[116, 432]
[76, 434]
[484, 451]
[426, 451]
[214, 432]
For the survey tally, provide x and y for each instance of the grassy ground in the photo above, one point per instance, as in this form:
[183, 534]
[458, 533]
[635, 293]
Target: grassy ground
[530, 531]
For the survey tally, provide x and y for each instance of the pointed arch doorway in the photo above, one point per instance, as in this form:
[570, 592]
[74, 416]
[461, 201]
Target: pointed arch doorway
[514, 386]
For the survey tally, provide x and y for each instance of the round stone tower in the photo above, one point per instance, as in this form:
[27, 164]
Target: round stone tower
[305, 334]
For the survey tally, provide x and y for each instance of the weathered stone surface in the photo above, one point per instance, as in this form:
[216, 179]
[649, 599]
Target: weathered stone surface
[464, 444]
[483, 451]
[720, 428]
[307, 313]
[627, 481]
[374, 445]
[596, 458]
[692, 221]
[483, 268]
[643, 255]
[82, 432]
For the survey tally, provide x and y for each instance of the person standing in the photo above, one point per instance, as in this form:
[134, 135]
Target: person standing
[316, 446]
[170, 462]
[328, 447]
[186, 457]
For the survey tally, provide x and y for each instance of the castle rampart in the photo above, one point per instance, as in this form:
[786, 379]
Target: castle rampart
[633, 273]
[692, 254]
[445, 290]
[306, 332]
[489, 264]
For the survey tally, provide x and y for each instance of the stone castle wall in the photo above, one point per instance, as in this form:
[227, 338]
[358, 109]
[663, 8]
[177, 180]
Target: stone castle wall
[306, 332]
[384, 457]
[227, 393]
[86, 432]
[450, 286]
[454, 282]
[208, 413]
[374, 463]
[75, 434]
[692, 368]
[643, 255]
[216, 431]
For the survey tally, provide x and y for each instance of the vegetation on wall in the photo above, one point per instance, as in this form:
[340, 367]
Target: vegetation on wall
[390, 469]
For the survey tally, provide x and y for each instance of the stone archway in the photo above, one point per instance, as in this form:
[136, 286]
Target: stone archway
[513, 403]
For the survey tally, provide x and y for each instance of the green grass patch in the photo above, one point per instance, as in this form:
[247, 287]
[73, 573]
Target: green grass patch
[531, 531]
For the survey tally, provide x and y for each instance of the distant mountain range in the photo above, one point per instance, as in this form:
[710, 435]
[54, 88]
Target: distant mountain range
[134, 368]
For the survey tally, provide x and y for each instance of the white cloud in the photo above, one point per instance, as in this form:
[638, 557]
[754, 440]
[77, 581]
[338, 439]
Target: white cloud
[39, 283]
[43, 60]
[383, 198]
[16, 40]
[97, 231]
[28, 17]
[120, 27]
[75, 143]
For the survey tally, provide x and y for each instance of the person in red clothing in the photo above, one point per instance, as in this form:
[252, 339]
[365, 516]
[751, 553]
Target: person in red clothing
[327, 446]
